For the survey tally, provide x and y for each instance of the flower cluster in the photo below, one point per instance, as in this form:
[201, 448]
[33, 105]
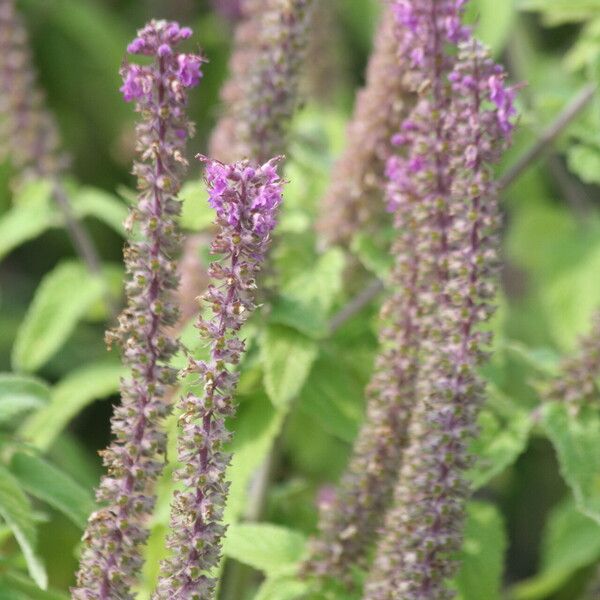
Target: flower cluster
[111, 557]
[353, 202]
[459, 126]
[576, 383]
[29, 132]
[245, 199]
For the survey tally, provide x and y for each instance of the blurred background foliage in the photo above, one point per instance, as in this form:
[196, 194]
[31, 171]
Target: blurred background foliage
[533, 533]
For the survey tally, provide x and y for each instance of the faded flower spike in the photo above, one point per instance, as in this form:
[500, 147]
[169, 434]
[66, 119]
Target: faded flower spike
[272, 90]
[111, 557]
[353, 202]
[245, 199]
[460, 126]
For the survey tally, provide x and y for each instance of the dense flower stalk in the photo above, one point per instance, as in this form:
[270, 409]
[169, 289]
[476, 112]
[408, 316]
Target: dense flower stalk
[28, 130]
[245, 199]
[111, 557]
[272, 90]
[225, 143]
[576, 383]
[353, 202]
[230, 9]
[458, 128]
[349, 522]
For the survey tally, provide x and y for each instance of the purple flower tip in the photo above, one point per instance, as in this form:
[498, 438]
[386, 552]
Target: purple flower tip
[189, 69]
[133, 87]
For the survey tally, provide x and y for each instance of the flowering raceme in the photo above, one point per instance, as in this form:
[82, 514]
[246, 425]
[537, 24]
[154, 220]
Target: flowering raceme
[353, 201]
[245, 199]
[459, 126]
[111, 556]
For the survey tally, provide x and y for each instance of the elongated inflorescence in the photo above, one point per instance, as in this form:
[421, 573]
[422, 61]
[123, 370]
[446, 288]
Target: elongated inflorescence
[111, 557]
[27, 129]
[271, 95]
[459, 126]
[353, 202]
[245, 198]
[576, 383]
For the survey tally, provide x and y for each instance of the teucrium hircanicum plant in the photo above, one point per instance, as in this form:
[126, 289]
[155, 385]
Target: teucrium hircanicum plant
[111, 556]
[245, 198]
[458, 128]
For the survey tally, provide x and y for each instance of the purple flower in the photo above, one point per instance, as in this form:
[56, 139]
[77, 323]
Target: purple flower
[189, 69]
[111, 559]
[245, 199]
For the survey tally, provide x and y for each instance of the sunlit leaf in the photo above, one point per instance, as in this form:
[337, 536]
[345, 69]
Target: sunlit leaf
[20, 394]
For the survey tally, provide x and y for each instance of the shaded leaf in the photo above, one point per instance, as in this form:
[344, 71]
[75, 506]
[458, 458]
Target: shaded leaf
[576, 440]
[16, 511]
[61, 300]
[68, 398]
[94, 202]
[48, 483]
[287, 357]
[281, 588]
[20, 394]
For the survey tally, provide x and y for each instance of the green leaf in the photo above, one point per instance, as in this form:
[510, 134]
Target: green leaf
[321, 284]
[48, 483]
[504, 433]
[482, 555]
[298, 315]
[264, 547]
[16, 511]
[493, 21]
[32, 214]
[257, 426]
[68, 398]
[89, 201]
[333, 396]
[571, 541]
[12, 582]
[281, 588]
[196, 212]
[584, 161]
[576, 440]
[61, 300]
[373, 256]
[20, 394]
[287, 357]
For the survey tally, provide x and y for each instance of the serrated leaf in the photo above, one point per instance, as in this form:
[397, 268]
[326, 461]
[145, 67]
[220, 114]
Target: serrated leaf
[576, 440]
[482, 555]
[48, 483]
[196, 212]
[16, 511]
[68, 398]
[287, 357]
[268, 548]
[20, 394]
[571, 541]
[62, 299]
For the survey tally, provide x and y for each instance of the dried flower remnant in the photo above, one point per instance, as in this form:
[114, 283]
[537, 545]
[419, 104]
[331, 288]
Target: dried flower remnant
[246, 199]
[576, 383]
[459, 126]
[111, 557]
[353, 202]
